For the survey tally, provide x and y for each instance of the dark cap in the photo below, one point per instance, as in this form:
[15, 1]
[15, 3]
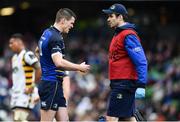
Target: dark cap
[116, 8]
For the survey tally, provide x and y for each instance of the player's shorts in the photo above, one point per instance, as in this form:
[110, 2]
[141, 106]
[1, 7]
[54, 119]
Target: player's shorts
[122, 99]
[21, 100]
[51, 95]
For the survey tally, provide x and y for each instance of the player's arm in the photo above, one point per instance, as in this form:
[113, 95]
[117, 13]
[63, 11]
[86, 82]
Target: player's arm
[36, 66]
[32, 60]
[37, 71]
[67, 65]
[56, 47]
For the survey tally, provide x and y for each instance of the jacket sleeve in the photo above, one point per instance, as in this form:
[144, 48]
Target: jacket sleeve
[137, 55]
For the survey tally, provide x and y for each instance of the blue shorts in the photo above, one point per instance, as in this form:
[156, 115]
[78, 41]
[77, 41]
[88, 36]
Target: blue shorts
[122, 98]
[51, 95]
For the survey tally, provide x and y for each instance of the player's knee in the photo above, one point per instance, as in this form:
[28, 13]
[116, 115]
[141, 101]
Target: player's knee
[20, 115]
[110, 119]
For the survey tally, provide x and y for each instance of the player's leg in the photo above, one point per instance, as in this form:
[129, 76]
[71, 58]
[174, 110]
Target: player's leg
[20, 114]
[49, 106]
[47, 115]
[114, 119]
[131, 119]
[62, 114]
[66, 87]
[21, 106]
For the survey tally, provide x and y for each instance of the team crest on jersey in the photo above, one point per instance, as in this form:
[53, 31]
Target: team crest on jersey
[43, 104]
[15, 69]
[55, 105]
[119, 96]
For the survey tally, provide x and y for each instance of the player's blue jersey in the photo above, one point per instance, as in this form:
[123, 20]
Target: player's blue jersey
[50, 42]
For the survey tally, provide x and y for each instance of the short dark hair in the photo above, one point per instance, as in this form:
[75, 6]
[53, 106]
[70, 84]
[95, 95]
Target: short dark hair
[64, 13]
[18, 36]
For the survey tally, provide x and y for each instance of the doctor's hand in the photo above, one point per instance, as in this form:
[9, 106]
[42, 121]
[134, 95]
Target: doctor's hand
[140, 93]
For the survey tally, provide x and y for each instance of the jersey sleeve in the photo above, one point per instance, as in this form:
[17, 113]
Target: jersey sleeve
[30, 58]
[56, 45]
[137, 55]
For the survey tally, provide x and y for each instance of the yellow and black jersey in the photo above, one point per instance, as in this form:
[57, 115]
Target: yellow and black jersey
[23, 72]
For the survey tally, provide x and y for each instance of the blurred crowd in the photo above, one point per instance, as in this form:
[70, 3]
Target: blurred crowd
[89, 93]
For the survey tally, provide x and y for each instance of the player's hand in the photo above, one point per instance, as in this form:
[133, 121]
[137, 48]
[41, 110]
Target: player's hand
[84, 68]
[29, 90]
[36, 100]
[140, 93]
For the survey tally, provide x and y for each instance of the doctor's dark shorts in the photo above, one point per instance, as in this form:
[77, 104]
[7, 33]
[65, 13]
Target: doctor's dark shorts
[51, 95]
[122, 98]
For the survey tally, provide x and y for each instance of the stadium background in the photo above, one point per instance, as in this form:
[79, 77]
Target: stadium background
[159, 28]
